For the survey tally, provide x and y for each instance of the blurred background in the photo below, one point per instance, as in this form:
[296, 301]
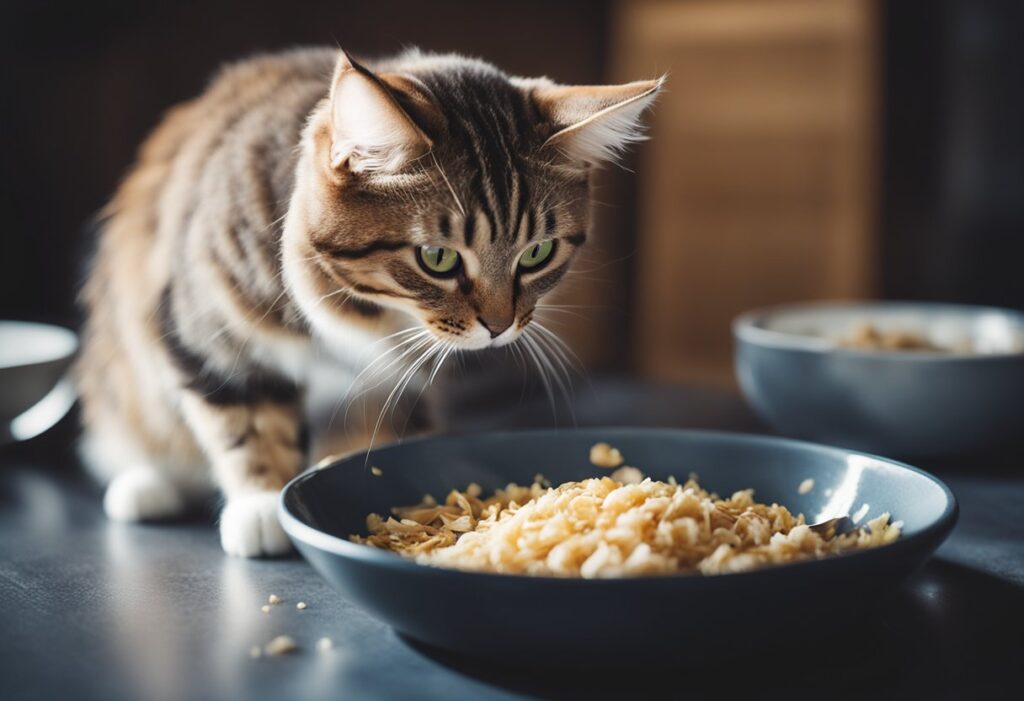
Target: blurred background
[804, 149]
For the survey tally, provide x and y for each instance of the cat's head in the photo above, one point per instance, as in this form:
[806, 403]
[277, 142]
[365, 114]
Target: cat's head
[442, 187]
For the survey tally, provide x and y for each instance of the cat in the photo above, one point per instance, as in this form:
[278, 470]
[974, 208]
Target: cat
[307, 204]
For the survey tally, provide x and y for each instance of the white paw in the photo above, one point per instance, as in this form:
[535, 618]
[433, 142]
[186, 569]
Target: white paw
[142, 494]
[249, 526]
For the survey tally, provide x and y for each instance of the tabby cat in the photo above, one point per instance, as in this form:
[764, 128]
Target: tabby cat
[308, 206]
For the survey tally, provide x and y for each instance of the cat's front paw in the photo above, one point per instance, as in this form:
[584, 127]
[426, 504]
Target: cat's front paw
[142, 494]
[249, 526]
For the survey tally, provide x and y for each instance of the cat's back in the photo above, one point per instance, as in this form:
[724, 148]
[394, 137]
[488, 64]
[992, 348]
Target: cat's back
[275, 86]
[244, 126]
[196, 213]
[205, 192]
[220, 163]
[249, 117]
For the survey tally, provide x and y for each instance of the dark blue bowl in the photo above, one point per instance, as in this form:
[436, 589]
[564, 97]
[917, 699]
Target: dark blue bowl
[562, 620]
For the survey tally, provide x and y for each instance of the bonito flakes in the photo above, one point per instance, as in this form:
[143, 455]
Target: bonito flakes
[601, 527]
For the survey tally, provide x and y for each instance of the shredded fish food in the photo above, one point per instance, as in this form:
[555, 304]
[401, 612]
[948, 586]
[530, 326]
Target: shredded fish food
[867, 336]
[599, 528]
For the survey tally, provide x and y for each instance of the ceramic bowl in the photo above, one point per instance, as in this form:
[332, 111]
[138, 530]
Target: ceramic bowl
[916, 404]
[33, 361]
[552, 620]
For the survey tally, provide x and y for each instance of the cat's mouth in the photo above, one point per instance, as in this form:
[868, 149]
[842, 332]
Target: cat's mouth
[477, 336]
[507, 336]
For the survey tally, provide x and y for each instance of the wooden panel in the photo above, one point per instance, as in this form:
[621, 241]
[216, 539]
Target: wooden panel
[758, 185]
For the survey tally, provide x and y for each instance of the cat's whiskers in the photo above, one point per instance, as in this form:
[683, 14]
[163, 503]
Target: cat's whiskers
[417, 342]
[561, 348]
[517, 354]
[543, 309]
[530, 352]
[360, 384]
[447, 348]
[329, 295]
[462, 210]
[556, 305]
[555, 206]
[374, 366]
[450, 347]
[400, 332]
[555, 361]
[602, 265]
[274, 222]
[551, 358]
[395, 396]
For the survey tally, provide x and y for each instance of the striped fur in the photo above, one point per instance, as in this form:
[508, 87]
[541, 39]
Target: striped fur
[276, 218]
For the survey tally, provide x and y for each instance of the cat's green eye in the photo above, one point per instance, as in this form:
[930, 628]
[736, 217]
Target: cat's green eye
[438, 260]
[536, 255]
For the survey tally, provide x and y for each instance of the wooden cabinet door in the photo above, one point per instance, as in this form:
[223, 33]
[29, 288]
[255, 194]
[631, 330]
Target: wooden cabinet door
[759, 183]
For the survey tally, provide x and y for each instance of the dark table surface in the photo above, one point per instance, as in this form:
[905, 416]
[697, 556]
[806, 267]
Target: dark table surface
[98, 610]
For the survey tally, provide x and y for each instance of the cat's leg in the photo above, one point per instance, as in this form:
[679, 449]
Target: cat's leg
[136, 488]
[143, 493]
[149, 474]
[254, 448]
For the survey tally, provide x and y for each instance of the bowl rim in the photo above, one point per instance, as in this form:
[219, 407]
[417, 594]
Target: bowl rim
[745, 328]
[320, 540]
[68, 341]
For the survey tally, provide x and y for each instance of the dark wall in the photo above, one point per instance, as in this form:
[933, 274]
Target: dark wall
[85, 81]
[953, 223]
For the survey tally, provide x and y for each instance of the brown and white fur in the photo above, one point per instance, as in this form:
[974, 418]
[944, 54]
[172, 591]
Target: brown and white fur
[278, 219]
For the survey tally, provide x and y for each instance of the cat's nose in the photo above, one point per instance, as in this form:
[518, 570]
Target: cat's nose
[495, 326]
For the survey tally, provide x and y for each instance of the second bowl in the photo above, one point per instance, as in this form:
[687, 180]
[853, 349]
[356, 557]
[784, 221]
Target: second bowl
[956, 388]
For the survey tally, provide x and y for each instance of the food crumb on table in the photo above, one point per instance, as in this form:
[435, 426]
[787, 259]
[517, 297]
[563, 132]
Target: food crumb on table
[324, 644]
[281, 645]
[274, 599]
[603, 455]
[376, 471]
[301, 605]
[265, 608]
[806, 486]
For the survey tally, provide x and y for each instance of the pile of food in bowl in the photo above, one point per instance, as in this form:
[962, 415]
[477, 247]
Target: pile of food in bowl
[868, 336]
[621, 525]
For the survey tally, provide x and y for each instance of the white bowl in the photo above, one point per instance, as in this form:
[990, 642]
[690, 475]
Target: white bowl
[34, 394]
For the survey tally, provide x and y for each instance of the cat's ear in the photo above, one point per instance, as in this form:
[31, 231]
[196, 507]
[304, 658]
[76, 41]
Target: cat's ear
[594, 124]
[370, 131]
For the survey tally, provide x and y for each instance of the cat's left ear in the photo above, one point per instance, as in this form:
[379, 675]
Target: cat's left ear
[370, 130]
[594, 124]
